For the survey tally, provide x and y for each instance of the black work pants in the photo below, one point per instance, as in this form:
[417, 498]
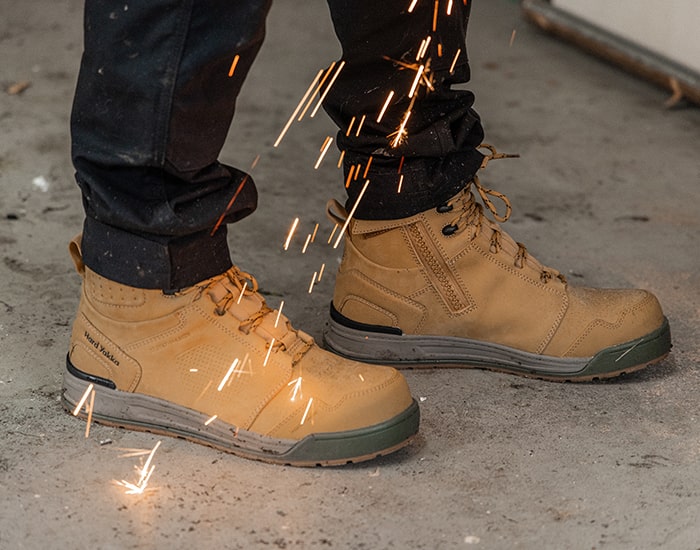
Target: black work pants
[156, 96]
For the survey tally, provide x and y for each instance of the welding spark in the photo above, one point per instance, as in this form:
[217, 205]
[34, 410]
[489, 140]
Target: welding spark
[279, 312]
[306, 412]
[449, 7]
[240, 296]
[269, 350]
[512, 38]
[320, 272]
[335, 228]
[435, 15]
[317, 90]
[386, 104]
[291, 233]
[324, 149]
[233, 65]
[211, 419]
[294, 114]
[83, 399]
[454, 61]
[144, 475]
[400, 183]
[400, 134]
[313, 235]
[91, 407]
[306, 244]
[296, 390]
[413, 5]
[227, 375]
[313, 281]
[340, 160]
[423, 48]
[328, 89]
[354, 207]
[416, 80]
[359, 126]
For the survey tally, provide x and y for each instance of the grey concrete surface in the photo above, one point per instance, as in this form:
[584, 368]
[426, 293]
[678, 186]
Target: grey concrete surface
[606, 190]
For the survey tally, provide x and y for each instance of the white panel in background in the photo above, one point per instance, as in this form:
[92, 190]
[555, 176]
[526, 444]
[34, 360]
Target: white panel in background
[670, 28]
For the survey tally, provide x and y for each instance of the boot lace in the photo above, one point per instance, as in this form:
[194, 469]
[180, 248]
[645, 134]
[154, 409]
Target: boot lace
[470, 216]
[236, 285]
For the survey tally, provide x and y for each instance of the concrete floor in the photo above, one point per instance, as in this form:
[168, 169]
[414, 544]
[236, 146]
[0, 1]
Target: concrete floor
[606, 190]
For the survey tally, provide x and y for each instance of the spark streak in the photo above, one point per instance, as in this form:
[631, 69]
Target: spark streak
[313, 235]
[91, 407]
[335, 228]
[227, 375]
[245, 284]
[269, 350]
[347, 221]
[328, 89]
[229, 205]
[320, 272]
[313, 281]
[324, 149]
[233, 65]
[316, 91]
[454, 61]
[401, 131]
[83, 399]
[386, 104]
[211, 419]
[449, 7]
[423, 48]
[294, 114]
[400, 183]
[419, 73]
[413, 5]
[279, 312]
[340, 160]
[296, 390]
[306, 244]
[291, 233]
[359, 126]
[306, 412]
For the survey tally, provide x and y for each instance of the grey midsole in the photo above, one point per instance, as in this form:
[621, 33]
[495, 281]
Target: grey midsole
[134, 409]
[395, 349]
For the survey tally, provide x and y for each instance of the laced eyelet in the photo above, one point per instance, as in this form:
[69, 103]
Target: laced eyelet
[444, 208]
[449, 229]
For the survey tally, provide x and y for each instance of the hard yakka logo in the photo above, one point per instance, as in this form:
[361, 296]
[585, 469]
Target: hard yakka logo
[99, 347]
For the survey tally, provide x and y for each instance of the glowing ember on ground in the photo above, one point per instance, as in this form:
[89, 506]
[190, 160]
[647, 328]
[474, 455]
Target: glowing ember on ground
[144, 473]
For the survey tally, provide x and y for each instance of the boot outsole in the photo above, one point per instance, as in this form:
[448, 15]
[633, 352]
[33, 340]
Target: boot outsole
[144, 413]
[417, 351]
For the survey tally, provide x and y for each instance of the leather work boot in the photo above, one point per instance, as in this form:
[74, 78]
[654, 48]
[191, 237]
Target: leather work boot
[215, 365]
[448, 287]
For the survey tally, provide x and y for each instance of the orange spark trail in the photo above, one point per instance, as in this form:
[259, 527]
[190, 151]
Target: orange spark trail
[324, 149]
[229, 205]
[347, 221]
[83, 399]
[89, 418]
[294, 114]
[454, 61]
[328, 89]
[291, 233]
[233, 65]
[359, 126]
[316, 91]
[386, 104]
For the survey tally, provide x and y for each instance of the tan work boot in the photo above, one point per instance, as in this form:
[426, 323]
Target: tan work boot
[215, 365]
[447, 287]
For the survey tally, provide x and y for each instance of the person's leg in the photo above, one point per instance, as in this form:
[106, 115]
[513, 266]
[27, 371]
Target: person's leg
[152, 108]
[169, 336]
[426, 278]
[381, 50]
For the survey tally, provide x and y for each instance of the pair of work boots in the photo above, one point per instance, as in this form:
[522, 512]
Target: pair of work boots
[446, 287]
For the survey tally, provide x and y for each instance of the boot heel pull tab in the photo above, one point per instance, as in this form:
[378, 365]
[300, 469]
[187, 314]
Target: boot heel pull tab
[76, 254]
[336, 212]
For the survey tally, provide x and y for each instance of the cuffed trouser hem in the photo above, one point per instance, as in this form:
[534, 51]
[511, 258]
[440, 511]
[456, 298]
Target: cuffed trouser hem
[141, 262]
